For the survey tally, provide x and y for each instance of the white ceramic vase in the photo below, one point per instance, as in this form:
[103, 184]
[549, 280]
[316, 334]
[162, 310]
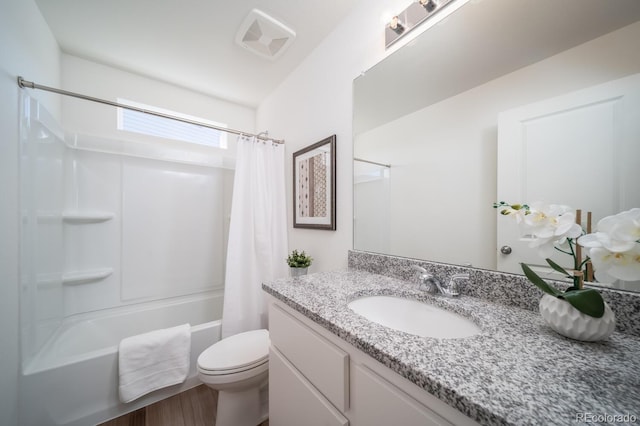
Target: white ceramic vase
[570, 322]
[296, 272]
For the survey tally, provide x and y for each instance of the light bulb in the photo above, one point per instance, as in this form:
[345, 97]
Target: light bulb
[429, 5]
[396, 25]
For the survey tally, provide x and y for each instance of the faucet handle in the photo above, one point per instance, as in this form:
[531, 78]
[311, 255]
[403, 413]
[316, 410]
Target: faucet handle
[453, 281]
[421, 273]
[424, 279]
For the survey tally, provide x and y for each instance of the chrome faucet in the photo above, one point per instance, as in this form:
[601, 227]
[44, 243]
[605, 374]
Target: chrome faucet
[432, 285]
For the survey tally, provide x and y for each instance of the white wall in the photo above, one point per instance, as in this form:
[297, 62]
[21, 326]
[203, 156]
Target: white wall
[314, 102]
[101, 81]
[27, 48]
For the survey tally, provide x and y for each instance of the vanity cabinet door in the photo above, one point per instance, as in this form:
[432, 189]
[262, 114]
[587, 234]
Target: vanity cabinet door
[294, 401]
[320, 361]
[374, 401]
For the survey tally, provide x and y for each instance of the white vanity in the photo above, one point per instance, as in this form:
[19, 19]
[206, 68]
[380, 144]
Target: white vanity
[331, 366]
[320, 379]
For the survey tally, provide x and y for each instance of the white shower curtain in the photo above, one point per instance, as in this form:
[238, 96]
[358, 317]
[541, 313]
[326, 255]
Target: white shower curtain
[257, 246]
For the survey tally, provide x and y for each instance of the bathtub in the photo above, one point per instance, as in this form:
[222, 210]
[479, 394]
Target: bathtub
[73, 380]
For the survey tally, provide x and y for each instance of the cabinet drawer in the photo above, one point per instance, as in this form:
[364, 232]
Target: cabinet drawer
[320, 361]
[293, 401]
[377, 402]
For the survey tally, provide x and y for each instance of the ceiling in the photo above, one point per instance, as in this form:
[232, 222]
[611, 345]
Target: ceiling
[191, 43]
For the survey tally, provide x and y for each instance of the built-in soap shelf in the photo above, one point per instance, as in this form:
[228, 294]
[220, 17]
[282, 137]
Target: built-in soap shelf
[74, 217]
[87, 276]
[73, 277]
[79, 217]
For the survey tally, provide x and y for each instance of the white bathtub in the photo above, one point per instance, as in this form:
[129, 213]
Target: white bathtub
[74, 378]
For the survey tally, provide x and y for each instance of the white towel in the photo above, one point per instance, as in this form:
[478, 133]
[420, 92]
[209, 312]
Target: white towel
[153, 360]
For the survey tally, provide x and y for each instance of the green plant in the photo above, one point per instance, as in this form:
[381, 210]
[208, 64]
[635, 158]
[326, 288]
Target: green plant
[586, 300]
[299, 260]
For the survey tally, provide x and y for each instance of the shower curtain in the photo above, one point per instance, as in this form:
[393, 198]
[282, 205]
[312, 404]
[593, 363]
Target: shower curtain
[257, 246]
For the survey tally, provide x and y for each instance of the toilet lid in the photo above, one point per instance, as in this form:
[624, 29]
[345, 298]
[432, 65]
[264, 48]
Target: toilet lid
[236, 352]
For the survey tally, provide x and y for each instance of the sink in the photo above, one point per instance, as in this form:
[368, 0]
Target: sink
[413, 317]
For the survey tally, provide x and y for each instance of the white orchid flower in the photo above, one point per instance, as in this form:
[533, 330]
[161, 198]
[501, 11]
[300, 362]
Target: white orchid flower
[624, 226]
[604, 240]
[549, 225]
[610, 266]
[617, 233]
[614, 249]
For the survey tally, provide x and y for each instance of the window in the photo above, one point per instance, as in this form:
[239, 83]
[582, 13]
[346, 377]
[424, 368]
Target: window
[152, 125]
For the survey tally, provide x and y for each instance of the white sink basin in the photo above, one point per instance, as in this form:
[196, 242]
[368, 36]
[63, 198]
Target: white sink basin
[414, 317]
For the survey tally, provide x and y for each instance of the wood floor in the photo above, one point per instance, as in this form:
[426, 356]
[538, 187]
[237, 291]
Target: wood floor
[195, 407]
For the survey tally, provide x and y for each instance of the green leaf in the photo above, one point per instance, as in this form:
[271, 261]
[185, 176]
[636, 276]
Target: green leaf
[539, 282]
[558, 268]
[586, 300]
[299, 260]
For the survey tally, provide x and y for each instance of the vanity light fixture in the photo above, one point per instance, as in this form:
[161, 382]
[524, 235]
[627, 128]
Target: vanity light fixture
[416, 13]
[396, 25]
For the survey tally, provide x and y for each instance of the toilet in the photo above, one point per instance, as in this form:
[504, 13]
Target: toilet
[238, 368]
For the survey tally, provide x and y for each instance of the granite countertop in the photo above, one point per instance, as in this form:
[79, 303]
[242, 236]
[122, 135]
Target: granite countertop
[516, 372]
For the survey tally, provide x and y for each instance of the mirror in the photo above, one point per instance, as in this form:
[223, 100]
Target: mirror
[426, 121]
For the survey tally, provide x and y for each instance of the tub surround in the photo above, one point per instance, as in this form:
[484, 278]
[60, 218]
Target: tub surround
[517, 371]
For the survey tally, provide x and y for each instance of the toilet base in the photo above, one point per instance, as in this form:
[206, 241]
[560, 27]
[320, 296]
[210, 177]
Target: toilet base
[242, 408]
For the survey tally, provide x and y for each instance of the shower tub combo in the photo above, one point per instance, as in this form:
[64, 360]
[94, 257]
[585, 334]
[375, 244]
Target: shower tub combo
[117, 239]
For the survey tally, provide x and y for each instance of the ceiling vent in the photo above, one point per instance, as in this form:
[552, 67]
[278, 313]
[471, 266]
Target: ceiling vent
[264, 35]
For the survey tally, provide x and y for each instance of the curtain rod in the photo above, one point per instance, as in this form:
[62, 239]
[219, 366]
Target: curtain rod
[31, 85]
[388, 166]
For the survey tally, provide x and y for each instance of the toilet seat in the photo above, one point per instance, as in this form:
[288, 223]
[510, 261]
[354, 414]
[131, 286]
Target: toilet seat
[220, 372]
[236, 354]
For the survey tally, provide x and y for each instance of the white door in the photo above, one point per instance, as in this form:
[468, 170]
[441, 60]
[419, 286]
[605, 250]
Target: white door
[580, 149]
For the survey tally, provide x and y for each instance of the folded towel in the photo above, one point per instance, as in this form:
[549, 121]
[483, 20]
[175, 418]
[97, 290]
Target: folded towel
[153, 360]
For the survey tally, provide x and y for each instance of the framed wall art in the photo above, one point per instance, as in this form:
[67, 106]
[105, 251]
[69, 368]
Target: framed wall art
[314, 185]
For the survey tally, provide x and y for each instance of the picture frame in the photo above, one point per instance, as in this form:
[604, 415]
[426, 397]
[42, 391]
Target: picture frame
[314, 185]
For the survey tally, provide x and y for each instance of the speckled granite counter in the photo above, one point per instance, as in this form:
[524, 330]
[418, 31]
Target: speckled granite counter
[516, 372]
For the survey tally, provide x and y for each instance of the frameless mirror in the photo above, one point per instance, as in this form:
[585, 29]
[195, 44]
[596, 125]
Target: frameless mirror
[435, 124]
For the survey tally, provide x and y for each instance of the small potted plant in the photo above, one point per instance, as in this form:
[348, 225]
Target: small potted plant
[299, 263]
